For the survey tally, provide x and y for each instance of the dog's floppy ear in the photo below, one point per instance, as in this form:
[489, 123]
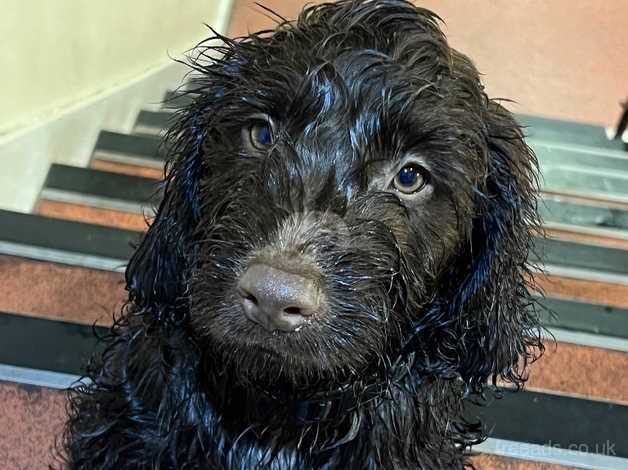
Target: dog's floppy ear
[155, 273]
[497, 331]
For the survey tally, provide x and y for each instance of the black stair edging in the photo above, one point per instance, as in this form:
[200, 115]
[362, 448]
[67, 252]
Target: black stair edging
[30, 233]
[44, 344]
[140, 190]
[129, 144]
[111, 186]
[28, 229]
[533, 417]
[570, 132]
[587, 317]
[555, 421]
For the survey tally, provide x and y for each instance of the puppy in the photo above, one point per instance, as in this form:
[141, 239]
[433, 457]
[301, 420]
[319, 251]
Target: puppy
[338, 261]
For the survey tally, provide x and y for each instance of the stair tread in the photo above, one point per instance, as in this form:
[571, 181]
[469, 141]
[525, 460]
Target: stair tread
[558, 130]
[139, 190]
[584, 316]
[44, 344]
[538, 417]
[102, 184]
[35, 417]
[26, 231]
[43, 289]
[515, 417]
[111, 242]
[580, 255]
[128, 144]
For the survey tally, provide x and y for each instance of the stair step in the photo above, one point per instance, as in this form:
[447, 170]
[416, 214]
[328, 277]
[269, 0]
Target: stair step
[99, 188]
[540, 418]
[550, 154]
[129, 149]
[499, 462]
[176, 99]
[574, 369]
[66, 242]
[19, 234]
[53, 353]
[99, 197]
[584, 316]
[561, 210]
[36, 345]
[40, 344]
[135, 170]
[60, 292]
[31, 421]
[153, 122]
[582, 261]
[602, 184]
[585, 290]
[128, 193]
[576, 133]
[601, 175]
[94, 215]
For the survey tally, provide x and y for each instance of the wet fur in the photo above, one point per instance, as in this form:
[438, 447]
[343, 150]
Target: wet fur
[187, 382]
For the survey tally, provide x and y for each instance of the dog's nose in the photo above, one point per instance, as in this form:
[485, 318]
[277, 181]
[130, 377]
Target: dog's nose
[277, 299]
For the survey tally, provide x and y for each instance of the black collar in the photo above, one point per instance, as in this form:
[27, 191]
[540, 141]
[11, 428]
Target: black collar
[332, 405]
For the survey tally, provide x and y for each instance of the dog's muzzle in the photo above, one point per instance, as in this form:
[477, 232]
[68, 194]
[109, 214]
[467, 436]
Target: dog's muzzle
[277, 299]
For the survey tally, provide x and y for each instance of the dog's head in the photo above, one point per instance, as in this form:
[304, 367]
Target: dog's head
[340, 190]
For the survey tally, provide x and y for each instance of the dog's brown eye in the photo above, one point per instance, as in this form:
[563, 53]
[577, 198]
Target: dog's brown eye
[410, 179]
[261, 135]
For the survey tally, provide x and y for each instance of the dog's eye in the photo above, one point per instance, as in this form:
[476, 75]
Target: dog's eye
[260, 135]
[410, 179]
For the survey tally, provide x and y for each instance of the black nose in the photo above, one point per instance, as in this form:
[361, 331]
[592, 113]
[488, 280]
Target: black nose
[277, 299]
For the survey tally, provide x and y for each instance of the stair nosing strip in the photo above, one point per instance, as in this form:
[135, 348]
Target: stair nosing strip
[118, 142]
[582, 316]
[62, 256]
[83, 199]
[129, 159]
[598, 196]
[594, 340]
[579, 148]
[37, 377]
[146, 129]
[553, 455]
[543, 418]
[83, 340]
[618, 233]
[583, 274]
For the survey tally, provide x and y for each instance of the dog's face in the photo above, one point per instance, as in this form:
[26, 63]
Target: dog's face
[335, 180]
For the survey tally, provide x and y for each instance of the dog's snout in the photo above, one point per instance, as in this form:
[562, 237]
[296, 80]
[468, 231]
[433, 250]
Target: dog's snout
[277, 299]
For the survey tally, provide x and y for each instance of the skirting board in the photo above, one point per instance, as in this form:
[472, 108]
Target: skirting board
[69, 136]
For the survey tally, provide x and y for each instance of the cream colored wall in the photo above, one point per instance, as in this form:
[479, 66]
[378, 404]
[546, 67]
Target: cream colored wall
[70, 68]
[55, 53]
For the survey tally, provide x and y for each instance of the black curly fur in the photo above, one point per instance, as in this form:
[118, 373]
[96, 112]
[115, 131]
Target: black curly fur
[186, 381]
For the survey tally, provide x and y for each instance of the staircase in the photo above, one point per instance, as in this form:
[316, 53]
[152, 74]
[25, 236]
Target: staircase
[62, 272]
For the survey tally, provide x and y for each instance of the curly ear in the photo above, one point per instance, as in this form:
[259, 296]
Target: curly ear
[486, 328]
[155, 275]
[497, 331]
